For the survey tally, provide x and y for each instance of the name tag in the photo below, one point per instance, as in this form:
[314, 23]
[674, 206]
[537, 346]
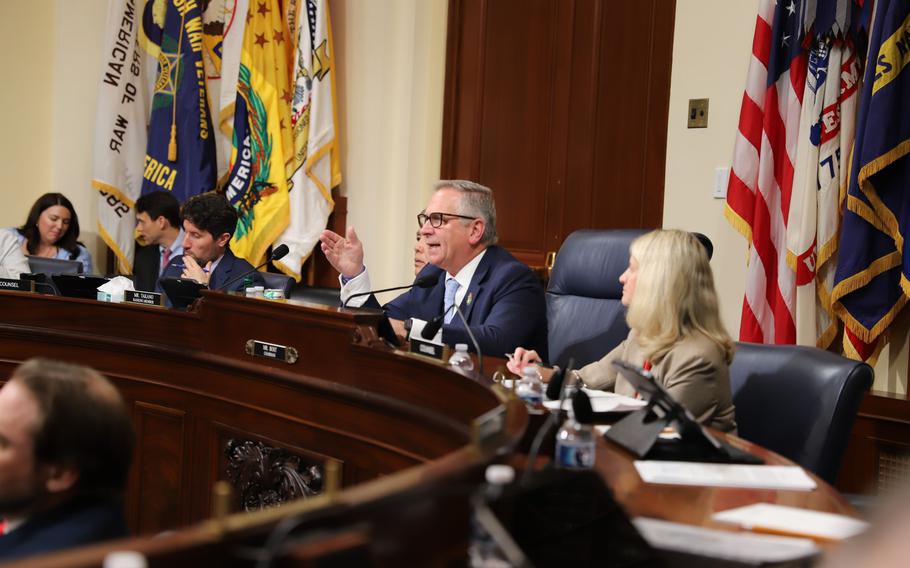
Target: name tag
[256, 348]
[17, 285]
[143, 298]
[427, 348]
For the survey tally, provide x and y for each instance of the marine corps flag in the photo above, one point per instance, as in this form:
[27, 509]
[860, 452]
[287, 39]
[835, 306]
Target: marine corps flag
[180, 157]
[257, 185]
[120, 127]
[871, 280]
[317, 167]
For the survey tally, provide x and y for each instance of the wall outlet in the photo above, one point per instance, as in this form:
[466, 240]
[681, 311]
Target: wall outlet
[721, 180]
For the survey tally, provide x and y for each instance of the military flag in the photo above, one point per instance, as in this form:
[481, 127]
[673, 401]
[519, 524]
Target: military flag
[316, 164]
[120, 127]
[180, 156]
[871, 279]
[257, 185]
[829, 113]
[760, 188]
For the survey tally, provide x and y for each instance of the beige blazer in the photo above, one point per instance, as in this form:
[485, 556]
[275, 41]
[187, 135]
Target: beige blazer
[694, 372]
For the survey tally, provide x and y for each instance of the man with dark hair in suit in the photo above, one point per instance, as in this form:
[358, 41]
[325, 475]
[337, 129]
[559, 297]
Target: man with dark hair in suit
[158, 221]
[502, 300]
[208, 223]
[66, 440]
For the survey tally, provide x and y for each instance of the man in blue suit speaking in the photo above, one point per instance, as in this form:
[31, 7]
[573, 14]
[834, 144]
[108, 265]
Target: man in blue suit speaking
[502, 300]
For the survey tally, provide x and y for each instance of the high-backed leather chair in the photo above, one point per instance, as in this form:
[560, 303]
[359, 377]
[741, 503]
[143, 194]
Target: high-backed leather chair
[800, 402]
[584, 314]
[279, 281]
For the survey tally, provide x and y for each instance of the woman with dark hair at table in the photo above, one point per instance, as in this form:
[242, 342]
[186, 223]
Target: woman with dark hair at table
[676, 332]
[52, 231]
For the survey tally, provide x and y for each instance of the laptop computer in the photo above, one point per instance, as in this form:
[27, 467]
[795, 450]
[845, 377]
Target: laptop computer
[181, 291]
[78, 285]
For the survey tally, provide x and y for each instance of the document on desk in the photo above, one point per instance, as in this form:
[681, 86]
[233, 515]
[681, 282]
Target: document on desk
[602, 401]
[791, 478]
[741, 547]
[778, 519]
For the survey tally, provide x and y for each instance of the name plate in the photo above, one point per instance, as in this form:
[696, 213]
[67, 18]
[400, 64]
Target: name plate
[426, 348]
[143, 298]
[17, 285]
[256, 348]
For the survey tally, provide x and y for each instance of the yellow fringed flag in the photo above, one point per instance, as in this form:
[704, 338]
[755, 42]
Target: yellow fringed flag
[257, 185]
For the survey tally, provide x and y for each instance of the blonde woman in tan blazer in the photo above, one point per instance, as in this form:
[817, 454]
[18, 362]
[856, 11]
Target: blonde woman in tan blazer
[676, 331]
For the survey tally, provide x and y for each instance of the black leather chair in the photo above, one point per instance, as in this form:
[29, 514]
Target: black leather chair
[800, 402]
[584, 313]
[279, 281]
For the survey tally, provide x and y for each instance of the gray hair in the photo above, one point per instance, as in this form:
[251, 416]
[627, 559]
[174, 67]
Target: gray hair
[476, 201]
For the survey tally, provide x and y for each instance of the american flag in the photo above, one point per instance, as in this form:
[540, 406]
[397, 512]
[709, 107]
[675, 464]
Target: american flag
[760, 188]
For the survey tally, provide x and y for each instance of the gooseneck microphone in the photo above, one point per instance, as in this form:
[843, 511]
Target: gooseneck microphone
[471, 335]
[427, 281]
[278, 253]
[430, 330]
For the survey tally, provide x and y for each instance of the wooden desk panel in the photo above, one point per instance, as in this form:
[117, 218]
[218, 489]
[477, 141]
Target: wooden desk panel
[192, 387]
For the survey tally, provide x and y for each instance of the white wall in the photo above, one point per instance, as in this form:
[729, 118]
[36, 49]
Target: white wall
[27, 40]
[709, 62]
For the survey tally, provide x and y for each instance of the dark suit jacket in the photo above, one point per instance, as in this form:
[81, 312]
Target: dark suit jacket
[80, 522]
[145, 267]
[229, 268]
[504, 306]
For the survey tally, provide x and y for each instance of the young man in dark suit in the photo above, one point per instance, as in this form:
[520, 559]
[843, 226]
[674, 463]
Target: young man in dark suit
[65, 445]
[158, 221]
[208, 223]
[501, 299]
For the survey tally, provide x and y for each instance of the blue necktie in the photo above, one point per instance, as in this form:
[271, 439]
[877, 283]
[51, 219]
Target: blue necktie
[449, 301]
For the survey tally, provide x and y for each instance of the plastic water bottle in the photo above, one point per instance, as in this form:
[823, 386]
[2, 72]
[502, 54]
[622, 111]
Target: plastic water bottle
[530, 387]
[460, 358]
[575, 445]
[483, 552]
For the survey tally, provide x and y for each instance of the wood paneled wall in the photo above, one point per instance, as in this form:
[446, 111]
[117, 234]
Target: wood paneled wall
[561, 107]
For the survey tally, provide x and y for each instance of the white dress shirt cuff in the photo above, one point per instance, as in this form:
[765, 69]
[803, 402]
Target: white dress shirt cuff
[356, 285]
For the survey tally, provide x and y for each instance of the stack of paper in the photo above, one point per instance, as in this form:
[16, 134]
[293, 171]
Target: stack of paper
[739, 547]
[778, 519]
[791, 478]
[602, 401]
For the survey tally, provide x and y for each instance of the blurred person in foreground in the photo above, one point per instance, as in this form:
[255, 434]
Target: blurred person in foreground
[66, 440]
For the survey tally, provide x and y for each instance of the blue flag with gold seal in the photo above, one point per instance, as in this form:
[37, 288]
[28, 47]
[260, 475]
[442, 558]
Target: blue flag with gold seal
[180, 157]
[872, 280]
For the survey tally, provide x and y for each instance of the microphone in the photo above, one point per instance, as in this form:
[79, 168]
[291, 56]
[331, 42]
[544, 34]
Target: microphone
[471, 335]
[585, 413]
[430, 330]
[426, 281]
[432, 327]
[278, 253]
[554, 387]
